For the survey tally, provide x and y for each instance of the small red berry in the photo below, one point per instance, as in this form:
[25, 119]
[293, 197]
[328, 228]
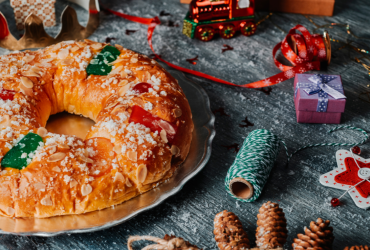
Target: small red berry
[335, 202]
[356, 150]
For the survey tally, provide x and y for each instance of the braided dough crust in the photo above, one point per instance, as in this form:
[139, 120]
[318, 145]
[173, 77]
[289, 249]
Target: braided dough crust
[117, 161]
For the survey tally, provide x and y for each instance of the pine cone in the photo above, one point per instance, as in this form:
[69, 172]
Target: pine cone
[188, 245]
[357, 248]
[229, 233]
[318, 237]
[271, 231]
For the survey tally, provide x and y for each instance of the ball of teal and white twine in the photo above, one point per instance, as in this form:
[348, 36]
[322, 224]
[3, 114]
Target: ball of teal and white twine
[249, 173]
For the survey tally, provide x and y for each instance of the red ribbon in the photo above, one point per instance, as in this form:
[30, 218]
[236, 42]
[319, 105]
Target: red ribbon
[311, 51]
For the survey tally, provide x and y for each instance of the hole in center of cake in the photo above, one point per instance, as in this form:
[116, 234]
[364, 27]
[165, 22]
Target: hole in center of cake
[69, 124]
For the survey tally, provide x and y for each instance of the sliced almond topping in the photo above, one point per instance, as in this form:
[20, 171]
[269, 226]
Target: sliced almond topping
[28, 58]
[46, 201]
[26, 82]
[119, 47]
[56, 169]
[118, 60]
[56, 157]
[116, 70]
[123, 83]
[10, 211]
[73, 183]
[128, 183]
[86, 189]
[67, 61]
[177, 112]
[5, 121]
[40, 186]
[96, 46]
[25, 90]
[117, 149]
[30, 73]
[63, 53]
[175, 150]
[133, 60]
[86, 159]
[112, 104]
[74, 49]
[163, 135]
[57, 46]
[146, 76]
[123, 74]
[167, 126]
[132, 156]
[47, 60]
[64, 146]
[116, 110]
[122, 91]
[141, 173]
[119, 177]
[41, 131]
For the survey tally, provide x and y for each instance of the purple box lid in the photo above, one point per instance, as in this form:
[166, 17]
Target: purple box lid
[306, 102]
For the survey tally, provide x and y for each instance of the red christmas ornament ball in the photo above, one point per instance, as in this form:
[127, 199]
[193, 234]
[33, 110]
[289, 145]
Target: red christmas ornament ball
[356, 150]
[335, 202]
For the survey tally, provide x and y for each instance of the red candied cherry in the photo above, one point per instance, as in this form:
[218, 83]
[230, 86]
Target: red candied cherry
[356, 150]
[335, 202]
[142, 87]
[7, 94]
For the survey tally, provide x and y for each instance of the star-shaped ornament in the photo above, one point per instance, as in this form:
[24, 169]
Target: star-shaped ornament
[348, 175]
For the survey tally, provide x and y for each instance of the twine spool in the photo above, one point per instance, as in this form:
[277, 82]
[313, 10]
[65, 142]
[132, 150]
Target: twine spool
[252, 166]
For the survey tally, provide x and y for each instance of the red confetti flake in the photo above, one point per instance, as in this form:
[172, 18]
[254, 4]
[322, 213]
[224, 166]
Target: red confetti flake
[267, 90]
[142, 87]
[221, 111]
[109, 39]
[335, 202]
[226, 48]
[234, 146]
[247, 123]
[192, 60]
[356, 150]
[129, 32]
[7, 94]
[164, 13]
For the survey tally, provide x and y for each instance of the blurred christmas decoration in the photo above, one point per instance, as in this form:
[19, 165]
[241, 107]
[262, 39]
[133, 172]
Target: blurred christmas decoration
[35, 35]
[229, 233]
[318, 236]
[224, 17]
[352, 175]
[44, 9]
[169, 242]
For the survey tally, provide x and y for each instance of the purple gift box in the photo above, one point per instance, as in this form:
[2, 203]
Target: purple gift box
[313, 105]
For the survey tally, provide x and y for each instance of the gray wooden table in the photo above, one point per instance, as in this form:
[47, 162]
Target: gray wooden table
[190, 213]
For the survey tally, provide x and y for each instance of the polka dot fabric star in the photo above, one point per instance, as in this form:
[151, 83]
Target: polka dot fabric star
[345, 176]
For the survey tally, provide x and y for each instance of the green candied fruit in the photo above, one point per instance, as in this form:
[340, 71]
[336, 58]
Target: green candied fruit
[23, 152]
[100, 64]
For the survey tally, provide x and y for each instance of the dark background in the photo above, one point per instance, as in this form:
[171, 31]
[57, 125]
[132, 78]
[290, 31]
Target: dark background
[190, 213]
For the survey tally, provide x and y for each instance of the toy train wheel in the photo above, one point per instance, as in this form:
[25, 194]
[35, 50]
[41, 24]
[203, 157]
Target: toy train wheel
[248, 28]
[227, 31]
[205, 33]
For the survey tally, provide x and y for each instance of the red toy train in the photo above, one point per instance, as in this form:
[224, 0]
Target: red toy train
[209, 17]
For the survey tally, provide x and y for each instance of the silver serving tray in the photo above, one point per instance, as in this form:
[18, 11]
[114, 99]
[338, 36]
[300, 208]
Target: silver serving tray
[199, 154]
